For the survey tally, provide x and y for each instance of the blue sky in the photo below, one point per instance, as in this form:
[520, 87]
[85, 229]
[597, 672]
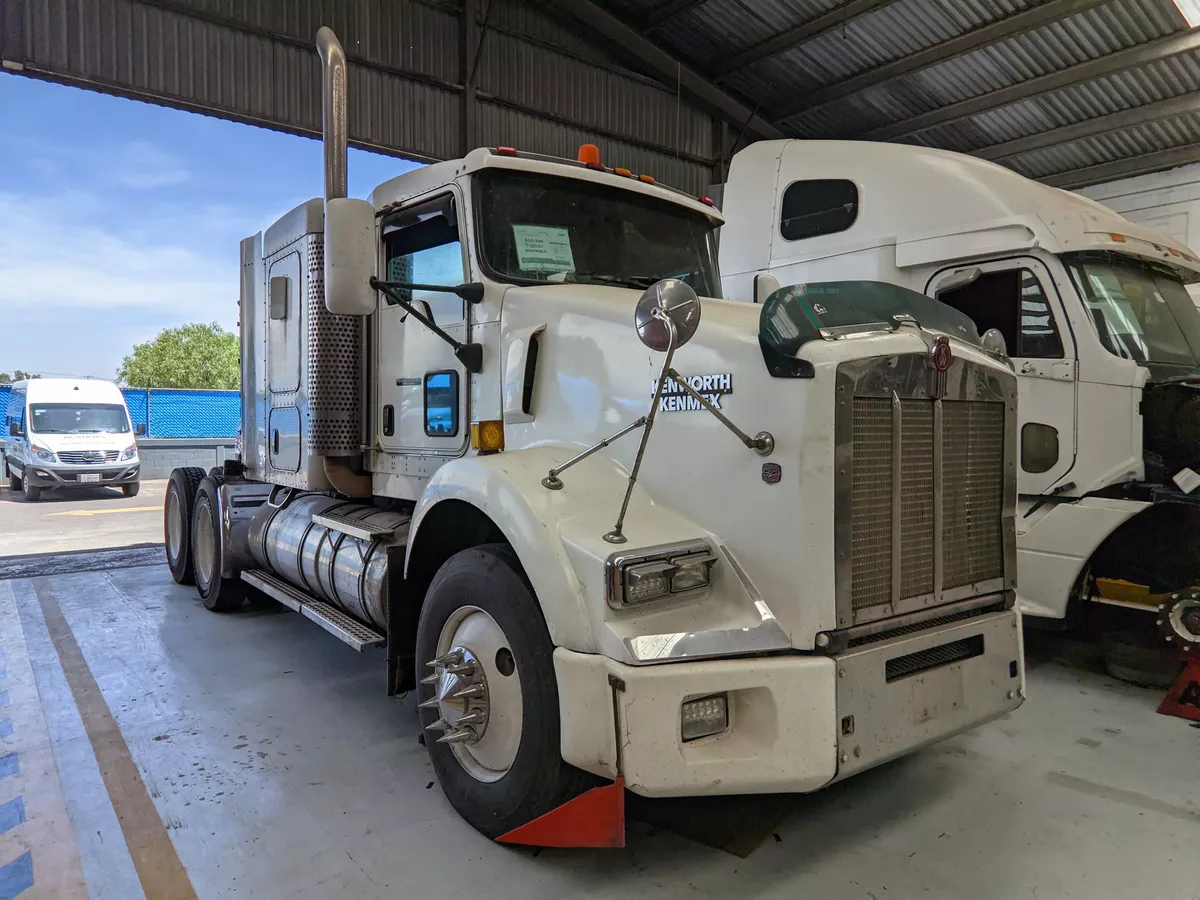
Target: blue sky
[119, 219]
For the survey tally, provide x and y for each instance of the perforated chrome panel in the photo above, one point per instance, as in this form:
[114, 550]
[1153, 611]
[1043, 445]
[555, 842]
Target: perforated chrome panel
[334, 365]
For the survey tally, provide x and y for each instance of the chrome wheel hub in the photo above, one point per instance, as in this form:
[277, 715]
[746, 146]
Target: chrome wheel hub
[477, 694]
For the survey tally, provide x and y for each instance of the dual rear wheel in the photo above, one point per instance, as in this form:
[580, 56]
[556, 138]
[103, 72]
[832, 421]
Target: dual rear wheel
[192, 538]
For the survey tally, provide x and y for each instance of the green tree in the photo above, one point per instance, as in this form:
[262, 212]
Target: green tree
[191, 356]
[17, 375]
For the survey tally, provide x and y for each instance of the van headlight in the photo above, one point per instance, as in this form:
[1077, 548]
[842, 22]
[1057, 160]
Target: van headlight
[42, 454]
[657, 572]
[129, 453]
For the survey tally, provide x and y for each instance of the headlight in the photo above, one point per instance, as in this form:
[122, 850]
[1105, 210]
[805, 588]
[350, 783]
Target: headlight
[658, 572]
[129, 452]
[41, 453]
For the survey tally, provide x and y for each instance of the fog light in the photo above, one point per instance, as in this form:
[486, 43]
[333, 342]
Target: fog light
[700, 718]
[647, 581]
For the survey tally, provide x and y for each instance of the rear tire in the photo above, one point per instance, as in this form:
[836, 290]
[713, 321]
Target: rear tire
[14, 483]
[490, 579]
[219, 594]
[33, 493]
[131, 490]
[177, 522]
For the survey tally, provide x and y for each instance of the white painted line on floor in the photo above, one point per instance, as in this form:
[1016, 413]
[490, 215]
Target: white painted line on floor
[106, 863]
[105, 512]
[34, 818]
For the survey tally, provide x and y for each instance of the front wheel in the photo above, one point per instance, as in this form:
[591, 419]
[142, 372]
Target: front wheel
[490, 699]
[33, 493]
[219, 594]
[131, 490]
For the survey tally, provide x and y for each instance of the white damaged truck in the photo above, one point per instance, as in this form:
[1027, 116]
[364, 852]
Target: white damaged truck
[1095, 315]
[613, 534]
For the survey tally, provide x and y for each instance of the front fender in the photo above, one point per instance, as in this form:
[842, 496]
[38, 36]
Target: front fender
[558, 536]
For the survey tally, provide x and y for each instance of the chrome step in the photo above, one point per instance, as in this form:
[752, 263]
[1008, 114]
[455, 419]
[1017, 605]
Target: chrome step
[355, 527]
[332, 619]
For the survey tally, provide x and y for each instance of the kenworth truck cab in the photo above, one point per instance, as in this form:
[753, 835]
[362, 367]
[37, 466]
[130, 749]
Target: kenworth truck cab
[1096, 318]
[614, 535]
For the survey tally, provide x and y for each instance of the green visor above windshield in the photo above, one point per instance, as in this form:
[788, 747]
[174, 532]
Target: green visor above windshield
[795, 315]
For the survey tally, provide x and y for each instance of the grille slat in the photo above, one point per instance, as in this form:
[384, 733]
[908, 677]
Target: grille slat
[972, 466]
[87, 457]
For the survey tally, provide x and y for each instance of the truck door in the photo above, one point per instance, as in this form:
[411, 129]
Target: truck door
[1018, 297]
[423, 389]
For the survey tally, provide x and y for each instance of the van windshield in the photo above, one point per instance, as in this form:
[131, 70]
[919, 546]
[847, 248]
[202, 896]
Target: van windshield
[78, 418]
[1141, 311]
[542, 229]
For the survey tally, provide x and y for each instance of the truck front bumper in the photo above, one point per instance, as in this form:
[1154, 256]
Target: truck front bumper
[69, 477]
[796, 722]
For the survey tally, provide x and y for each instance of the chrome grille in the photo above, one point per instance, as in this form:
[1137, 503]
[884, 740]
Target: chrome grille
[87, 457]
[871, 520]
[894, 500]
[972, 492]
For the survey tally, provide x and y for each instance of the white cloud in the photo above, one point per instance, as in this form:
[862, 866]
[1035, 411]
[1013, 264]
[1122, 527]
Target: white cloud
[58, 253]
[144, 166]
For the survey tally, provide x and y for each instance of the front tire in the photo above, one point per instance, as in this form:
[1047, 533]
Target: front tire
[14, 483]
[131, 490]
[481, 608]
[178, 506]
[33, 493]
[219, 594]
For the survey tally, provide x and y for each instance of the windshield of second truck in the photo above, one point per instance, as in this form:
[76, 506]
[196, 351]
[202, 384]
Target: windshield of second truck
[542, 229]
[1141, 311]
[77, 418]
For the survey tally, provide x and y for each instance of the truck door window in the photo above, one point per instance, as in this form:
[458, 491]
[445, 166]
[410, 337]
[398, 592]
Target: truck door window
[812, 208]
[1013, 302]
[422, 246]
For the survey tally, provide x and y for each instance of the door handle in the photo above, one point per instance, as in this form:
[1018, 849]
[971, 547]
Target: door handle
[1027, 368]
[389, 420]
[275, 441]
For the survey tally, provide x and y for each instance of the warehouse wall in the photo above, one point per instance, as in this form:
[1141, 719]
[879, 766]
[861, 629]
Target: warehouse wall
[159, 457]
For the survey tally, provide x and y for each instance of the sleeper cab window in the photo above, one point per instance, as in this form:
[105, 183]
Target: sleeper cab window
[813, 208]
[441, 404]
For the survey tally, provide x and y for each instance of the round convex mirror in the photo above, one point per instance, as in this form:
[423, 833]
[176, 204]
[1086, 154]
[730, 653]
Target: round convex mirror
[993, 342]
[673, 299]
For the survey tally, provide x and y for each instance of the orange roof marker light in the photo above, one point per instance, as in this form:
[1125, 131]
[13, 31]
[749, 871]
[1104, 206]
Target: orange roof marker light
[589, 155]
[1119, 238]
[506, 151]
[646, 179]
[624, 173]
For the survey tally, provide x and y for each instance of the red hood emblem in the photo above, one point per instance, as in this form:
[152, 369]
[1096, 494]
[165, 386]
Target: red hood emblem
[940, 355]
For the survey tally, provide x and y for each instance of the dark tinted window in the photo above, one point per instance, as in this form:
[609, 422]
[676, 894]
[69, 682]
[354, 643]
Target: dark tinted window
[1013, 302]
[812, 208]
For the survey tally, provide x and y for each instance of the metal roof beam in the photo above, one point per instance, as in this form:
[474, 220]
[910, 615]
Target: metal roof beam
[1038, 16]
[669, 10]
[669, 70]
[1171, 45]
[1125, 168]
[798, 34]
[1126, 118]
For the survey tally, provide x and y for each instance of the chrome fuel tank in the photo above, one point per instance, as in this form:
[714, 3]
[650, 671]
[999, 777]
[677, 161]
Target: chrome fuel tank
[346, 571]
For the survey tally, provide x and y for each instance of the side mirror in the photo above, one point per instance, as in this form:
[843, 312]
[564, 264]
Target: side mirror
[959, 279]
[14, 429]
[993, 342]
[140, 429]
[349, 257]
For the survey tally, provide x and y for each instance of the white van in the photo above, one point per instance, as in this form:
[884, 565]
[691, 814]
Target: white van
[68, 433]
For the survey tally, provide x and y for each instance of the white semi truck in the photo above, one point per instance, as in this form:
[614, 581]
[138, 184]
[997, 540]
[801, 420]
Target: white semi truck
[611, 537]
[1095, 314]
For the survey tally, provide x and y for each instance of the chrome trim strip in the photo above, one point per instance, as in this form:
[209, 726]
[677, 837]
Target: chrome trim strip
[878, 626]
[897, 492]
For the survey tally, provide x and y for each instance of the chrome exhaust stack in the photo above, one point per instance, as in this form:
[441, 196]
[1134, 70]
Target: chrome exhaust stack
[334, 130]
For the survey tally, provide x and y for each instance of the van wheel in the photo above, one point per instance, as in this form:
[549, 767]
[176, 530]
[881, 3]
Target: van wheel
[14, 483]
[177, 522]
[491, 716]
[219, 594]
[131, 490]
[33, 493]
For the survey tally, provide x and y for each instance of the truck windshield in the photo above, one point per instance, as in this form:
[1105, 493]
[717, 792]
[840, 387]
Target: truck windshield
[75, 418]
[793, 316]
[1141, 311]
[540, 229]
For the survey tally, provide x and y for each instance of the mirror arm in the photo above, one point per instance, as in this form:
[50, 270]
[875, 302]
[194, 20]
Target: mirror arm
[762, 443]
[470, 355]
[554, 483]
[472, 291]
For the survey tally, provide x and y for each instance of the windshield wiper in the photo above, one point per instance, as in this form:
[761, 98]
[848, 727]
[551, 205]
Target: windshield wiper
[633, 281]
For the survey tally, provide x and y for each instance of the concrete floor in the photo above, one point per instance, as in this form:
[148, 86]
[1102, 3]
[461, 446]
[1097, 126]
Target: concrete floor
[154, 743]
[80, 519]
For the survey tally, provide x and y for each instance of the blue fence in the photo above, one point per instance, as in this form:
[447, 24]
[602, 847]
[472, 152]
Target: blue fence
[176, 413]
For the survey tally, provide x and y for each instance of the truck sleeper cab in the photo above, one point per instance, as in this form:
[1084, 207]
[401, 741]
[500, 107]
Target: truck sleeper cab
[1094, 311]
[457, 449]
[67, 433]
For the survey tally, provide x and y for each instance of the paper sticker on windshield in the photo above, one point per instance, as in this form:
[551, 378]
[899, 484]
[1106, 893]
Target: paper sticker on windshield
[543, 248]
